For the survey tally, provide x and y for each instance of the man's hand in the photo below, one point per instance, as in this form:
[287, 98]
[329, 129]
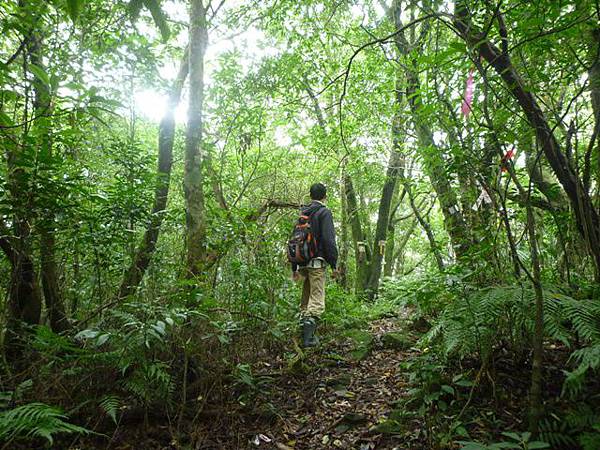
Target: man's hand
[295, 276]
[336, 274]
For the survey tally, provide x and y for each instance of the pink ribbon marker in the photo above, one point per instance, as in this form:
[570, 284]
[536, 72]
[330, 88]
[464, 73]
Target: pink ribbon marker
[468, 97]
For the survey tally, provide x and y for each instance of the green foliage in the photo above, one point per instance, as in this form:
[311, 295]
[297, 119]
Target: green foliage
[249, 386]
[485, 318]
[74, 8]
[516, 441]
[557, 433]
[36, 420]
[285, 105]
[428, 293]
[110, 405]
[435, 395]
[136, 344]
[580, 425]
[158, 15]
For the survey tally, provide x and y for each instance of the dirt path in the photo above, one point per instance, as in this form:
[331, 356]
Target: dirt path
[338, 396]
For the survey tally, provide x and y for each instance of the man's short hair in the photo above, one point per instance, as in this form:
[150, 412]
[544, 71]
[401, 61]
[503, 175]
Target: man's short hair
[318, 191]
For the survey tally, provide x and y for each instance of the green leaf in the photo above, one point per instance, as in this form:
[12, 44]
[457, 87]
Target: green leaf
[537, 444]
[512, 435]
[74, 8]
[472, 445]
[5, 120]
[102, 339]
[110, 405]
[40, 74]
[448, 389]
[498, 445]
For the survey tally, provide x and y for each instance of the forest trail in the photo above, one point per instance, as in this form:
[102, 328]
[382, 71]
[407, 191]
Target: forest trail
[337, 396]
[344, 403]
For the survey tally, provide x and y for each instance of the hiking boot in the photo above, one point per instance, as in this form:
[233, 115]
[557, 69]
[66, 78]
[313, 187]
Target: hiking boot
[309, 326]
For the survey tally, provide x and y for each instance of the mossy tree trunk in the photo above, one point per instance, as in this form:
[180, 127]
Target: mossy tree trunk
[193, 173]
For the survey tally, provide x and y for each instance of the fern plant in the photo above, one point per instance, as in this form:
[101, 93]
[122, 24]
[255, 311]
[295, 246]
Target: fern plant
[482, 319]
[36, 420]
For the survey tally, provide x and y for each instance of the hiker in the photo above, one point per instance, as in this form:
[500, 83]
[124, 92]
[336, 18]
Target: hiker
[310, 250]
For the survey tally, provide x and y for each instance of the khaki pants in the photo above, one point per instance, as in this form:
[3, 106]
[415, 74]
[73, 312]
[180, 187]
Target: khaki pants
[313, 291]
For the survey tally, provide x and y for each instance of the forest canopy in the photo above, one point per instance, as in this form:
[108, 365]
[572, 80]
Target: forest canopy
[156, 154]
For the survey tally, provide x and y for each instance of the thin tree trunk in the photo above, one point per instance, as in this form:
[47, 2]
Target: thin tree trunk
[398, 249]
[24, 296]
[535, 392]
[394, 170]
[390, 251]
[193, 176]
[166, 137]
[383, 218]
[589, 166]
[343, 260]
[362, 251]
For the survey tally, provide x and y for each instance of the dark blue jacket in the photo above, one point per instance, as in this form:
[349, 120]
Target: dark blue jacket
[321, 223]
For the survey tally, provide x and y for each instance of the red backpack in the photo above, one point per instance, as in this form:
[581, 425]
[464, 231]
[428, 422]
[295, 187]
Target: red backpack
[302, 246]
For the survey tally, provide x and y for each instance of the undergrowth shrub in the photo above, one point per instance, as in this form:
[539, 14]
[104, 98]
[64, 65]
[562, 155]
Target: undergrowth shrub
[467, 322]
[143, 357]
[427, 294]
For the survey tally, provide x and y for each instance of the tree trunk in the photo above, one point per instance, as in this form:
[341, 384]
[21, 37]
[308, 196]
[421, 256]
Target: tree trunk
[362, 251]
[535, 392]
[395, 169]
[24, 296]
[166, 137]
[390, 251]
[42, 108]
[594, 145]
[343, 241]
[193, 176]
[433, 162]
[383, 218]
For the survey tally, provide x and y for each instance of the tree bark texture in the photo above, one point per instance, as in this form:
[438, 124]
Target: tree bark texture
[362, 251]
[343, 260]
[383, 217]
[535, 391]
[193, 174]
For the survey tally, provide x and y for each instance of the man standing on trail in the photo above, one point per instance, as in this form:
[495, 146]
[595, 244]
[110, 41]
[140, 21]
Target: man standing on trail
[312, 271]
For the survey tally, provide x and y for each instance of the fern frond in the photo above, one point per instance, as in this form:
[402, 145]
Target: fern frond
[556, 433]
[36, 420]
[110, 405]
